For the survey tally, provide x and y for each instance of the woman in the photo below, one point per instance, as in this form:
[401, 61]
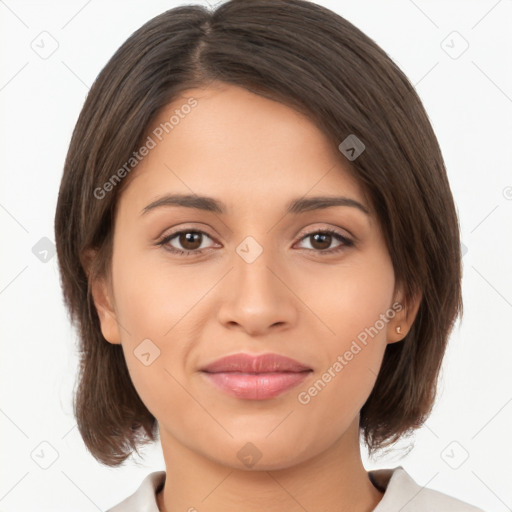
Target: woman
[259, 246]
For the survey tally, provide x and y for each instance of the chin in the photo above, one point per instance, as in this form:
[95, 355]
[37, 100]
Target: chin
[258, 453]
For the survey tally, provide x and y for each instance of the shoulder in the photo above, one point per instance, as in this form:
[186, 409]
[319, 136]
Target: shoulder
[144, 498]
[404, 494]
[401, 492]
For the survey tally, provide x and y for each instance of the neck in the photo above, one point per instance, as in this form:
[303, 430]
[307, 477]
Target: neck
[334, 480]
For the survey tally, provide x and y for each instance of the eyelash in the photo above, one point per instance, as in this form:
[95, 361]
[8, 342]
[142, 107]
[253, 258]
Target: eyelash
[346, 242]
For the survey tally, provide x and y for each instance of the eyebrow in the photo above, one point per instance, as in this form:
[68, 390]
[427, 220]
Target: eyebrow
[209, 204]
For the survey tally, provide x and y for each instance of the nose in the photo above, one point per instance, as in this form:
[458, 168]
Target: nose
[256, 297]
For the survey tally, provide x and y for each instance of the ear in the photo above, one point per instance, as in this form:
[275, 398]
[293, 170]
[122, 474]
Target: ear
[103, 301]
[400, 324]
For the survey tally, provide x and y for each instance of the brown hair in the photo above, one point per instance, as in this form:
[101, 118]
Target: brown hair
[315, 61]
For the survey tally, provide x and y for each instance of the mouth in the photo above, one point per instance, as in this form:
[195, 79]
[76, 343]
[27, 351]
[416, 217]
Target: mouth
[255, 377]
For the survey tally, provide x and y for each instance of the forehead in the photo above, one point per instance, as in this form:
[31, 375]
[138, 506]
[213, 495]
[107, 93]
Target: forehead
[227, 142]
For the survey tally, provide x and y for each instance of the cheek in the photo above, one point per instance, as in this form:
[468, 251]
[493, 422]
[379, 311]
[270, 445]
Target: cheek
[146, 309]
[357, 310]
[354, 301]
[151, 296]
[157, 305]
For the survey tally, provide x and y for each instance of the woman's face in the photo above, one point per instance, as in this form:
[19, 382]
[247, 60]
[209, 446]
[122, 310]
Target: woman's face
[256, 277]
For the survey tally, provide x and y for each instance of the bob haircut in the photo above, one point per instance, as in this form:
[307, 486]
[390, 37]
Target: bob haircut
[346, 84]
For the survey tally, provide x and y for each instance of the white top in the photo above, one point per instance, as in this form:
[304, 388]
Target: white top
[401, 493]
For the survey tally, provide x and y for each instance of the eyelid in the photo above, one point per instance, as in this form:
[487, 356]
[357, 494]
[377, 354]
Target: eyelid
[330, 229]
[172, 232]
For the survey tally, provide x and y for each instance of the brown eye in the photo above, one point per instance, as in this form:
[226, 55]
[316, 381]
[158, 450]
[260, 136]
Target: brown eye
[185, 242]
[190, 240]
[320, 241]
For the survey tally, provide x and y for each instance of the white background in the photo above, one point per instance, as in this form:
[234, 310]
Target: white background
[469, 101]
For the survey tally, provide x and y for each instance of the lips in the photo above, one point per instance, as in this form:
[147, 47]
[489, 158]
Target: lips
[265, 363]
[255, 377]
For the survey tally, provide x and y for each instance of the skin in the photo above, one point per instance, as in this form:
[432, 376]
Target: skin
[255, 155]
